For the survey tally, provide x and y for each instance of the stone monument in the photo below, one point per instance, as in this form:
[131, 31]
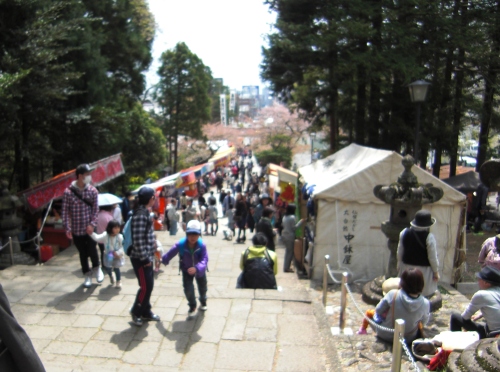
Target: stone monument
[406, 197]
[9, 227]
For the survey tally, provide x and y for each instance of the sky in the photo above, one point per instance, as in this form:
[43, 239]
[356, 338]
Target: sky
[226, 34]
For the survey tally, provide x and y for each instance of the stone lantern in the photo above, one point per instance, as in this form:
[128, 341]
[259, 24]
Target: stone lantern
[406, 197]
[9, 227]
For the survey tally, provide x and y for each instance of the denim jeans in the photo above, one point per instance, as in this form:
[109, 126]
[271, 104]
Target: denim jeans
[187, 282]
[118, 274]
[173, 227]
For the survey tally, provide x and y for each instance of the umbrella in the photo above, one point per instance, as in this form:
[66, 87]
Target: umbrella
[107, 199]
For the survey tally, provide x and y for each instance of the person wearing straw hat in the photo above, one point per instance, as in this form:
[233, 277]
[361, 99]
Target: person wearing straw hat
[417, 248]
[485, 302]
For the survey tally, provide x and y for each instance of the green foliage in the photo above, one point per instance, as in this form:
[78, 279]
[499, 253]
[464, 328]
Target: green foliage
[276, 155]
[348, 63]
[279, 140]
[70, 75]
[184, 95]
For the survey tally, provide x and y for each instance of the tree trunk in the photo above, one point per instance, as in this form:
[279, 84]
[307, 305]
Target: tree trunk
[360, 107]
[490, 81]
[459, 80]
[375, 89]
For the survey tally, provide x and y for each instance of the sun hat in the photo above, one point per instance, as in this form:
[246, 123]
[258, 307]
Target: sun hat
[193, 227]
[423, 219]
[489, 274]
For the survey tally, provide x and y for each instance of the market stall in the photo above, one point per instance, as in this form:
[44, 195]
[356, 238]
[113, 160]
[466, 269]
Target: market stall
[283, 189]
[38, 197]
[348, 216]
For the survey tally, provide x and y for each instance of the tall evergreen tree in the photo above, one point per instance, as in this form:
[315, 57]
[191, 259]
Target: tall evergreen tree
[183, 95]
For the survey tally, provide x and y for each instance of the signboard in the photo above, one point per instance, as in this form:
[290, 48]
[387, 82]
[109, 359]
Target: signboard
[223, 117]
[232, 101]
[104, 171]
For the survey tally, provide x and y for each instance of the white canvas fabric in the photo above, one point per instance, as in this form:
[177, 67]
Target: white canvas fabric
[344, 184]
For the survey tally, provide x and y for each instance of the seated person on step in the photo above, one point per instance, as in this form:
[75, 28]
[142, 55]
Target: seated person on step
[486, 301]
[259, 265]
[405, 303]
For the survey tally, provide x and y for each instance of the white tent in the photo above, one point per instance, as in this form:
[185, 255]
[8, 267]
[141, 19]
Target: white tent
[349, 216]
[166, 181]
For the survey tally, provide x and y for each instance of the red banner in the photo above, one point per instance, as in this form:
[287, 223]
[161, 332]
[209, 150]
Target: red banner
[41, 194]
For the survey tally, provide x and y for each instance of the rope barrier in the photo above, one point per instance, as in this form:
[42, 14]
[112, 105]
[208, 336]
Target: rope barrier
[391, 330]
[331, 274]
[3, 246]
[398, 331]
[408, 354]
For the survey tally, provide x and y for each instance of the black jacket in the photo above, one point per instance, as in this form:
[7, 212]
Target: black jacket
[264, 226]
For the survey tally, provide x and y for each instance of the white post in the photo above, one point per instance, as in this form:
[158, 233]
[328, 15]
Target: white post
[399, 331]
[11, 251]
[343, 301]
[38, 244]
[325, 278]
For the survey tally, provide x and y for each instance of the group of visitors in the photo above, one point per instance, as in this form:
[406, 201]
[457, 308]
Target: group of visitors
[418, 268]
[80, 217]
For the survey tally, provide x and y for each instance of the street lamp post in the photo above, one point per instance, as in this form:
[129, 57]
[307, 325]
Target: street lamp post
[313, 136]
[418, 93]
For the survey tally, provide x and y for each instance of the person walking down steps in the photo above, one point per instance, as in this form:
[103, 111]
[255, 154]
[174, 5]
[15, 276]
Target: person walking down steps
[79, 214]
[114, 256]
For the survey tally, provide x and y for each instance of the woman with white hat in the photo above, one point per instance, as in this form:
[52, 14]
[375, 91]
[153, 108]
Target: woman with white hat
[417, 249]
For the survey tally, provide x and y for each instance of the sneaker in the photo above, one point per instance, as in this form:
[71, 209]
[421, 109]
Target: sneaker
[112, 278]
[135, 319]
[203, 307]
[192, 311]
[99, 276]
[88, 280]
[151, 317]
[361, 331]
[118, 284]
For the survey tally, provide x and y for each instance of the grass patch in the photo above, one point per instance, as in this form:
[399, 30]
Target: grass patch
[442, 290]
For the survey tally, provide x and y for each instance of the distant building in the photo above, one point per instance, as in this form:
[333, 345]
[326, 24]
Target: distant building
[266, 98]
[249, 101]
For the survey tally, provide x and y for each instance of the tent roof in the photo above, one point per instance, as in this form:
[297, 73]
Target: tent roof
[169, 180]
[283, 174]
[222, 152]
[351, 174]
[465, 182]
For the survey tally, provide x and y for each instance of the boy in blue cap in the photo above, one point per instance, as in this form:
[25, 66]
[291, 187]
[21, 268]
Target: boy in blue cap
[193, 264]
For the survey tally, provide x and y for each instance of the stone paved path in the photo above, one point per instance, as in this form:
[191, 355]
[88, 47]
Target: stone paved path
[77, 329]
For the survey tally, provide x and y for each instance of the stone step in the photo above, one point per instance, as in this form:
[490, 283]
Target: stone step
[468, 360]
[494, 348]
[485, 358]
[452, 365]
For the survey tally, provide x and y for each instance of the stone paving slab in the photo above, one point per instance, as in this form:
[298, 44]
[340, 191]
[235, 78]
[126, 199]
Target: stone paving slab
[79, 329]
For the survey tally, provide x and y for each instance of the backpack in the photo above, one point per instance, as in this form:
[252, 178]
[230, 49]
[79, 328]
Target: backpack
[183, 244]
[127, 233]
[266, 254]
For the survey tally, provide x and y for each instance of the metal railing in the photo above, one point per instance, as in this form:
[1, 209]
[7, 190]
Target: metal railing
[399, 343]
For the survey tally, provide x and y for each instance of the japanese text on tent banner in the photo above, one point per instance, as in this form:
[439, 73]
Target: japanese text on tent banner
[350, 219]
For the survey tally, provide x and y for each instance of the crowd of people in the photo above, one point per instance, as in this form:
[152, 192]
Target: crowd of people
[244, 201]
[248, 207]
